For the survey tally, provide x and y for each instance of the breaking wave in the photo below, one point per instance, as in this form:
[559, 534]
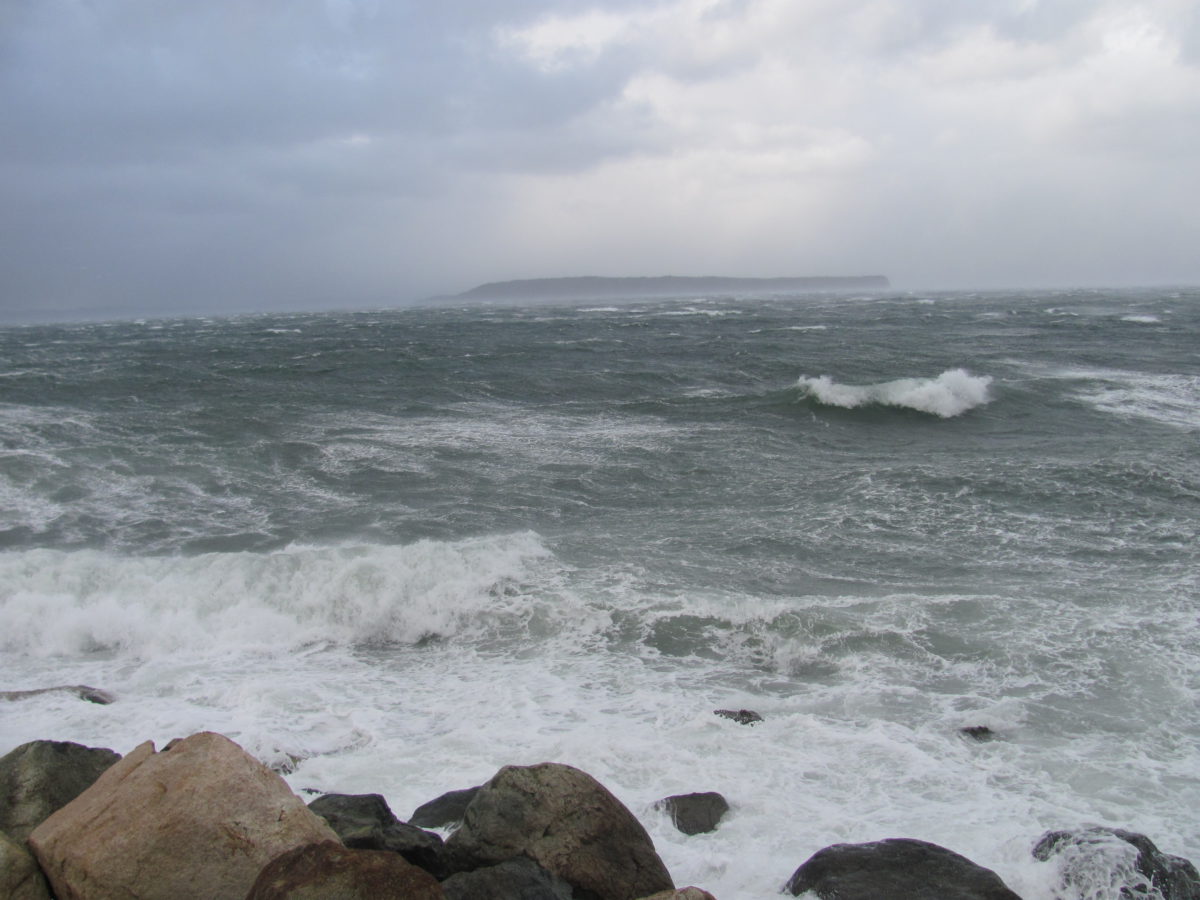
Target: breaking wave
[952, 393]
[57, 603]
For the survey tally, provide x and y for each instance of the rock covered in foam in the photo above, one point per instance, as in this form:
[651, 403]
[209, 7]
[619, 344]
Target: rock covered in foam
[741, 716]
[329, 871]
[20, 877]
[202, 812]
[695, 813]
[82, 691]
[566, 822]
[897, 867]
[366, 822]
[1112, 858]
[40, 777]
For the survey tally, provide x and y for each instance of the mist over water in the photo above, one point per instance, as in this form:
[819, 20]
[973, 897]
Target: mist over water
[408, 547]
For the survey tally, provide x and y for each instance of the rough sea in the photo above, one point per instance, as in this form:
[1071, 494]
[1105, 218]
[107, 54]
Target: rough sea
[392, 551]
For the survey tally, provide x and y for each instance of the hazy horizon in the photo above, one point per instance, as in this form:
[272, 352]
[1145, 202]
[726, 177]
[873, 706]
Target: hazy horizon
[331, 154]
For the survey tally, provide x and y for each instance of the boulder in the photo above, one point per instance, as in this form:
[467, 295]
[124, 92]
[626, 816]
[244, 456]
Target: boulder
[329, 871]
[365, 822]
[20, 877]
[200, 817]
[519, 878]
[566, 822]
[687, 893]
[898, 867]
[695, 813]
[741, 716]
[1112, 859]
[446, 810]
[39, 777]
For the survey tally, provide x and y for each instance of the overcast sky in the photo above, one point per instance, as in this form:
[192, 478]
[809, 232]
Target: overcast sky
[259, 154]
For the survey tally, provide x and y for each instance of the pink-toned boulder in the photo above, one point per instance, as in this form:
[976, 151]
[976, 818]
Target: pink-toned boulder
[199, 819]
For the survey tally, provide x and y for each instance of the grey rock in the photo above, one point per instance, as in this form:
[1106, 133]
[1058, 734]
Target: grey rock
[695, 813]
[1125, 859]
[20, 877]
[365, 822]
[445, 810]
[40, 777]
[898, 867]
[519, 878]
[329, 871]
[566, 822]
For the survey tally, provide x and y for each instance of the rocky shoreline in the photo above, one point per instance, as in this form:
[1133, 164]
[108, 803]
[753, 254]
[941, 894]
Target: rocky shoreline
[202, 818]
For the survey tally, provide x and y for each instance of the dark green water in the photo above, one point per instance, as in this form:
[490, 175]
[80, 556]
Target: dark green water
[895, 511]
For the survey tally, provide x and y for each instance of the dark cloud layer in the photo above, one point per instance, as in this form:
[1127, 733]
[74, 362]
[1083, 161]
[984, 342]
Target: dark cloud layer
[299, 154]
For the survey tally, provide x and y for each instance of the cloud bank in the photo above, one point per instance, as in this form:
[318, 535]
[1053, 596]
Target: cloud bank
[300, 154]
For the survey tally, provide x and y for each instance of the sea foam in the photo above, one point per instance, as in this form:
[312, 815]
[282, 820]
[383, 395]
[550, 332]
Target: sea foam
[952, 393]
[63, 603]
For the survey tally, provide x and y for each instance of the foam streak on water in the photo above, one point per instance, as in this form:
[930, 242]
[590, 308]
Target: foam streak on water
[397, 550]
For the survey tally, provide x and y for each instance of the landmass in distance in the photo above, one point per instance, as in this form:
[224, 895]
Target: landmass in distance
[603, 288]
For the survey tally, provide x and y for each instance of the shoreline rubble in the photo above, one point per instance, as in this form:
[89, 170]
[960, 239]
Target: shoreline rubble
[81, 823]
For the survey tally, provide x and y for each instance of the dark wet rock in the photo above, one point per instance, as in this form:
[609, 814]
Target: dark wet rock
[444, 811]
[566, 822]
[741, 716]
[329, 871]
[1115, 858]
[519, 878]
[695, 813]
[20, 877]
[82, 691]
[687, 893]
[43, 776]
[898, 867]
[365, 822]
[979, 733]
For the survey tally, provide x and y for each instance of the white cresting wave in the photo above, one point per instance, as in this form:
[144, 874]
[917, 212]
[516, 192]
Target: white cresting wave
[57, 603]
[950, 394]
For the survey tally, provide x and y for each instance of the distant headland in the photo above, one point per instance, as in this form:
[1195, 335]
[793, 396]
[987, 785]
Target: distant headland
[602, 288]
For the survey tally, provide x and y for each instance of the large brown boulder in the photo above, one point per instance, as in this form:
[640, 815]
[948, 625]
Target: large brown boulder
[201, 818]
[329, 871]
[20, 877]
[566, 822]
[39, 777]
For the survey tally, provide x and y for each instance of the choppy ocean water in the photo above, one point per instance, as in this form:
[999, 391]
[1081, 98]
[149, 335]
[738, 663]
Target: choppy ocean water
[406, 547]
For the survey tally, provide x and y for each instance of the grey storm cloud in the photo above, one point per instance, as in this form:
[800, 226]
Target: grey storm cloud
[224, 155]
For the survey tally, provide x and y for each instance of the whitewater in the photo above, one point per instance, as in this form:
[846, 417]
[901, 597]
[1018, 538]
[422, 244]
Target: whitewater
[393, 550]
